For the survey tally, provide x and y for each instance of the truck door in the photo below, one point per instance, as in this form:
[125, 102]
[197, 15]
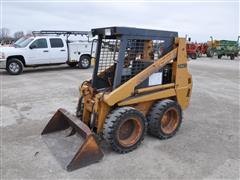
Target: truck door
[38, 52]
[58, 50]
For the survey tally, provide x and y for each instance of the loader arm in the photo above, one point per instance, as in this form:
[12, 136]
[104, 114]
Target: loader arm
[181, 89]
[129, 87]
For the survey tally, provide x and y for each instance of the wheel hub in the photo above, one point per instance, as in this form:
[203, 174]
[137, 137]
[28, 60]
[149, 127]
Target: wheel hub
[129, 132]
[14, 67]
[85, 62]
[169, 121]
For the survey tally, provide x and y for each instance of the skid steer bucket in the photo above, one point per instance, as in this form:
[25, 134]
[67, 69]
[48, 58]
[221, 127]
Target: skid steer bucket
[71, 141]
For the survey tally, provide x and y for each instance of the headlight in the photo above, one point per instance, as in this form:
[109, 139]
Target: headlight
[2, 55]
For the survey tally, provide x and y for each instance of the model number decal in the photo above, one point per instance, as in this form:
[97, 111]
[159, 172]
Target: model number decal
[182, 65]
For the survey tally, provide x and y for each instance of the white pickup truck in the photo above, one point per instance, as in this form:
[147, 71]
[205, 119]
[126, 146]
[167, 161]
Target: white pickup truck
[45, 50]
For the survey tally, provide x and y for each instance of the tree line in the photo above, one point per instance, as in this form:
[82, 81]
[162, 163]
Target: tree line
[7, 38]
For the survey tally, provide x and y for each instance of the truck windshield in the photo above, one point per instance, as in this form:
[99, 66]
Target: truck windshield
[22, 42]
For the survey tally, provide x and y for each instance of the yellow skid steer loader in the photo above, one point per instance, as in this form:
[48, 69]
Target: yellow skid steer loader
[140, 83]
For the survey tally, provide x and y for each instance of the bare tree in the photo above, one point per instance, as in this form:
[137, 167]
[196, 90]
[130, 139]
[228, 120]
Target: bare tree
[18, 34]
[4, 33]
[5, 37]
[29, 34]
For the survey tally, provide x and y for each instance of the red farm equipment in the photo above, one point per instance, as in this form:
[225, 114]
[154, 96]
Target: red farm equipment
[202, 49]
[195, 50]
[192, 50]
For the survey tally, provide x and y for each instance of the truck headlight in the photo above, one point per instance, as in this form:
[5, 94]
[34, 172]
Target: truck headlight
[2, 55]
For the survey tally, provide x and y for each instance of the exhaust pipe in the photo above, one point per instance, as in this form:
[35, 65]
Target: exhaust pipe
[63, 135]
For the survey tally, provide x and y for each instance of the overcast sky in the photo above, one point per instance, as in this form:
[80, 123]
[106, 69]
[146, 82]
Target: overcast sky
[197, 20]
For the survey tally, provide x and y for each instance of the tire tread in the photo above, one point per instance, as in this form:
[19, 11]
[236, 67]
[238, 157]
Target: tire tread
[156, 113]
[112, 121]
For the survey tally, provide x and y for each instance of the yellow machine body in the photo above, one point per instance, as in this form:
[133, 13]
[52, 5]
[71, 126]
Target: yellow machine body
[143, 98]
[97, 104]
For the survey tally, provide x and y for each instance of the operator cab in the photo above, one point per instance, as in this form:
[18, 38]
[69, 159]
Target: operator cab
[123, 52]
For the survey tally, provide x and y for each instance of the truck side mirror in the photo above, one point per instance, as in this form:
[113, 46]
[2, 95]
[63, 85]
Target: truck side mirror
[32, 46]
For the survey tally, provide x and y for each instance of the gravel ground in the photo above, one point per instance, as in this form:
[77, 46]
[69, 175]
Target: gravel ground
[206, 146]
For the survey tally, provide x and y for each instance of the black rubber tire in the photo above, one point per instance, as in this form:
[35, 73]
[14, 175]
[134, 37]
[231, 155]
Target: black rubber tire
[199, 54]
[18, 62]
[155, 116]
[210, 52]
[114, 121]
[194, 56]
[72, 64]
[87, 60]
[219, 56]
[80, 107]
[232, 57]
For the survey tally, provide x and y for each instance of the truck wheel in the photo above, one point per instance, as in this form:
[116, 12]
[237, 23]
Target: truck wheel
[14, 66]
[124, 129]
[194, 56]
[164, 119]
[84, 62]
[72, 64]
[219, 56]
[232, 57]
[80, 106]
